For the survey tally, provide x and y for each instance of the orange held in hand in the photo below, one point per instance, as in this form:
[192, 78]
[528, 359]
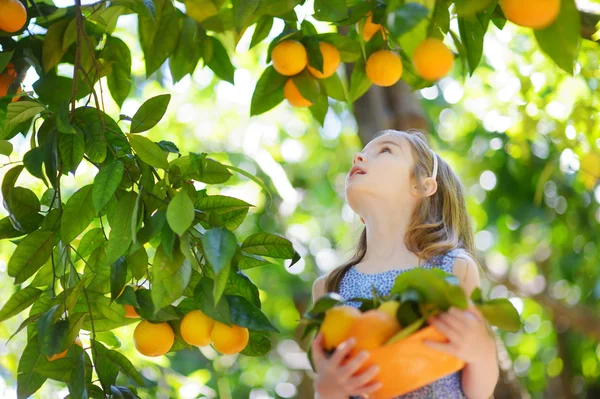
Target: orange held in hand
[372, 329]
[196, 328]
[432, 59]
[289, 57]
[153, 339]
[336, 325]
[229, 340]
[384, 68]
[13, 15]
[331, 61]
[536, 14]
[293, 95]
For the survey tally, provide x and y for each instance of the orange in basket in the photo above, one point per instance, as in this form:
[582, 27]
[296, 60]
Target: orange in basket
[408, 364]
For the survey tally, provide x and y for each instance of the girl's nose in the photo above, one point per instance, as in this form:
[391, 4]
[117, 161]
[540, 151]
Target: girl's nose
[359, 156]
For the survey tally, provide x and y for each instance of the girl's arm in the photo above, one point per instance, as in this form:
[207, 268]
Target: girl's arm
[478, 379]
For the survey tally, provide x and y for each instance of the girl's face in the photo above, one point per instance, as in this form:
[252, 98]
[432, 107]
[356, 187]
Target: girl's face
[386, 162]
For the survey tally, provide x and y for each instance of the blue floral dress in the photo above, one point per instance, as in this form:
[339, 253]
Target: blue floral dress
[355, 284]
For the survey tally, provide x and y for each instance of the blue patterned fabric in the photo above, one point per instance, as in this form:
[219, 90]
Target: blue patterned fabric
[355, 284]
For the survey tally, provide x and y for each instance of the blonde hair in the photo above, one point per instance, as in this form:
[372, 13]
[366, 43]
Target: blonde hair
[439, 222]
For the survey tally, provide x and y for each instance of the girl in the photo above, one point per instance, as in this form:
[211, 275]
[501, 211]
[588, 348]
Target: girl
[411, 214]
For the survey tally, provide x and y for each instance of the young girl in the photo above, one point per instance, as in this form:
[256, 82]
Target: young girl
[414, 212]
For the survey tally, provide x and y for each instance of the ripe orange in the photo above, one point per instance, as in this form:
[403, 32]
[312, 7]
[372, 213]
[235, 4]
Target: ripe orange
[13, 15]
[6, 78]
[432, 59]
[336, 325]
[130, 312]
[63, 353]
[229, 340]
[370, 29]
[384, 68]
[372, 329]
[289, 57]
[390, 307]
[293, 95]
[196, 328]
[536, 14]
[331, 61]
[153, 339]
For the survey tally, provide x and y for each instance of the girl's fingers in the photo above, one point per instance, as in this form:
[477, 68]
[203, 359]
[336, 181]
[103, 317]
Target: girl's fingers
[353, 364]
[446, 330]
[367, 389]
[341, 351]
[317, 348]
[364, 378]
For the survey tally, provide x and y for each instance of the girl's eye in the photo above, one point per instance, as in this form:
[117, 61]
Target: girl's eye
[385, 148]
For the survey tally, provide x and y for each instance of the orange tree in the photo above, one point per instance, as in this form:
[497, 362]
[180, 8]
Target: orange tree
[83, 262]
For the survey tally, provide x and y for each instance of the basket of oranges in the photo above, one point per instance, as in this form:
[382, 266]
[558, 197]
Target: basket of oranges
[393, 328]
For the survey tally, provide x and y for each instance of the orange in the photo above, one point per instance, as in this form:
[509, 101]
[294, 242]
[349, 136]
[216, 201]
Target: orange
[432, 59]
[336, 325]
[6, 78]
[372, 329]
[331, 61]
[13, 15]
[384, 68]
[536, 14]
[289, 57]
[229, 340]
[63, 353]
[293, 95]
[196, 327]
[153, 339]
[390, 307]
[130, 312]
[370, 29]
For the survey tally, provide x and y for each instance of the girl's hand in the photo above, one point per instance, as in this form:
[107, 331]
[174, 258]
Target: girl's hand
[467, 333]
[335, 380]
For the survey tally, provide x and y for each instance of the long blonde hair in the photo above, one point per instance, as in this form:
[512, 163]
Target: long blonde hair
[439, 222]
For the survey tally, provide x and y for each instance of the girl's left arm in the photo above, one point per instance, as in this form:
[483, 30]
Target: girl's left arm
[470, 339]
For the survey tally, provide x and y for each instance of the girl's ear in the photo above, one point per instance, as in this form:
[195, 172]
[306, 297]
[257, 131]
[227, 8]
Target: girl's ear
[430, 186]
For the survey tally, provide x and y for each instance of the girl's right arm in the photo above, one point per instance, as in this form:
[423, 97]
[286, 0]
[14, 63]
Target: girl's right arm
[336, 380]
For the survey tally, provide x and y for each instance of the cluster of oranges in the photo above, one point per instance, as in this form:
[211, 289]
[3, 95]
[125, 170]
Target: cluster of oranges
[290, 58]
[156, 339]
[13, 15]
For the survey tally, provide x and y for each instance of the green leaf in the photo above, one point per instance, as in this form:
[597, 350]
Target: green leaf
[268, 92]
[259, 344]
[30, 255]
[500, 312]
[138, 262]
[169, 277]
[243, 11]
[469, 7]
[119, 81]
[63, 124]
[29, 380]
[118, 277]
[52, 49]
[472, 30]
[91, 240]
[149, 151]
[23, 206]
[120, 227]
[106, 182]
[319, 109]
[6, 147]
[159, 35]
[107, 370]
[188, 51]
[19, 112]
[219, 246]
[150, 113]
[18, 302]
[180, 212]
[71, 148]
[245, 314]
[221, 204]
[261, 30]
[125, 366]
[143, 7]
[359, 82]
[5, 58]
[330, 10]
[240, 284]
[440, 21]
[78, 213]
[204, 299]
[560, 41]
[307, 85]
[315, 57]
[216, 58]
[404, 18]
[267, 244]
[334, 87]
[349, 48]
